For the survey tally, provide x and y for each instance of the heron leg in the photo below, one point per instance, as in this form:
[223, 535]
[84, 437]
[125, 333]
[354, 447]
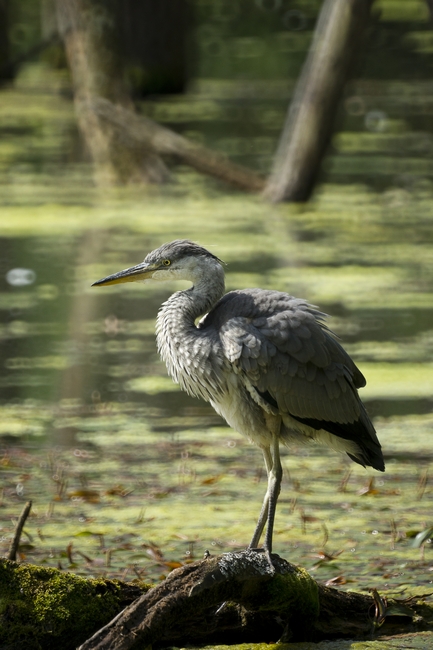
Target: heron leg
[274, 487]
[265, 506]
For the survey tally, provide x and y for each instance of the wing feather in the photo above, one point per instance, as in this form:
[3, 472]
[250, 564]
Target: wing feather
[281, 348]
[284, 349]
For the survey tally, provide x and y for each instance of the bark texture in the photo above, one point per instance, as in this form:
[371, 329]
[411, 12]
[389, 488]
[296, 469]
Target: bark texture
[311, 114]
[89, 32]
[184, 608]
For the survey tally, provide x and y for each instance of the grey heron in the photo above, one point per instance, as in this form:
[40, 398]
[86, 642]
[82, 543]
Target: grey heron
[265, 361]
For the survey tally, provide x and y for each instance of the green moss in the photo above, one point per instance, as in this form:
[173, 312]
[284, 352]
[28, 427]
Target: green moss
[295, 592]
[44, 608]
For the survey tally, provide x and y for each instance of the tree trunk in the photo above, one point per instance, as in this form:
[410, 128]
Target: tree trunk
[310, 118]
[88, 28]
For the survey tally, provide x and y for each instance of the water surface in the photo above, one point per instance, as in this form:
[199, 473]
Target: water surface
[128, 475]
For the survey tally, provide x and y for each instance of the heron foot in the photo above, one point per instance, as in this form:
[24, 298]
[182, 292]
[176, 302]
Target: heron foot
[267, 553]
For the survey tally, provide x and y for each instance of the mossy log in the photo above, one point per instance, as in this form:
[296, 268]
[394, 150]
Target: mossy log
[48, 609]
[232, 598]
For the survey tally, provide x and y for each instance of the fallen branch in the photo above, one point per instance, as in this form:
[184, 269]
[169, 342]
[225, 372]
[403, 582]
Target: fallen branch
[150, 135]
[13, 549]
[233, 598]
[284, 604]
[175, 609]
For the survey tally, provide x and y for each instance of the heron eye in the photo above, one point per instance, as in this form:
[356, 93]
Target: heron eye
[166, 262]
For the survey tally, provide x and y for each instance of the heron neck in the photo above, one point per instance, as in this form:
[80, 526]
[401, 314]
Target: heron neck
[179, 340]
[181, 311]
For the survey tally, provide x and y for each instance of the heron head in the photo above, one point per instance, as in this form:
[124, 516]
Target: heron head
[181, 259]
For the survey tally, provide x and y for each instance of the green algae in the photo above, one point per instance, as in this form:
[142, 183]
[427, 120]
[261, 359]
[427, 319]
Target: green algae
[418, 641]
[133, 499]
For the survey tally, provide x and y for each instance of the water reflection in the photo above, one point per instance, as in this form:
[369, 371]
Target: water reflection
[76, 381]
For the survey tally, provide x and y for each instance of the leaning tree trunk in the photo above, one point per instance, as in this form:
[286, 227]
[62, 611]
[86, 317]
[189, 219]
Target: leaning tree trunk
[88, 28]
[311, 114]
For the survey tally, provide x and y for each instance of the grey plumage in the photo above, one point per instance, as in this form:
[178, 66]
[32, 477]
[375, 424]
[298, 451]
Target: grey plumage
[265, 361]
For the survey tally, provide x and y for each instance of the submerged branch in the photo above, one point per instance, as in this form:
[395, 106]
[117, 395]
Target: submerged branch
[141, 130]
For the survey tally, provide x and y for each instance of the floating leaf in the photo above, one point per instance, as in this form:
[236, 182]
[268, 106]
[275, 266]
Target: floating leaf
[396, 609]
[338, 580]
[422, 537]
[328, 557]
[88, 533]
[369, 489]
[91, 496]
[118, 490]
[154, 552]
[211, 480]
[173, 565]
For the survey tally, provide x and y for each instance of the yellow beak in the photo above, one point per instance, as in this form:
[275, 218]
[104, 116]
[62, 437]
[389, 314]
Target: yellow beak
[133, 274]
